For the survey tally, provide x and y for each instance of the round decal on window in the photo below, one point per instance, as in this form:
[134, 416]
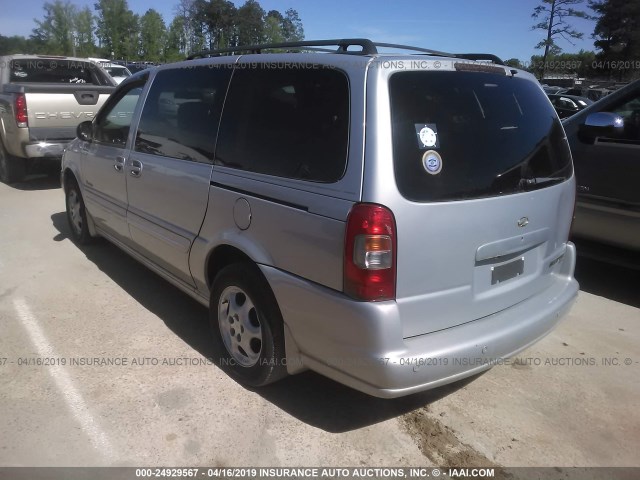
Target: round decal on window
[428, 137]
[432, 162]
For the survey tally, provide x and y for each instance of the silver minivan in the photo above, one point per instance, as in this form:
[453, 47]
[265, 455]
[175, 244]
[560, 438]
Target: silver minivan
[395, 222]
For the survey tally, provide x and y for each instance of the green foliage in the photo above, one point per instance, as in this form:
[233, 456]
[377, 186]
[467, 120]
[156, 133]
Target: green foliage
[580, 64]
[117, 29]
[216, 20]
[152, 36]
[250, 23]
[273, 29]
[112, 30]
[553, 17]
[175, 40]
[84, 26]
[514, 63]
[56, 30]
[17, 44]
[617, 37]
[292, 30]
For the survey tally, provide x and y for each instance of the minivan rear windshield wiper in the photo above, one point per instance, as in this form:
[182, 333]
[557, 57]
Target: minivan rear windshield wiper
[533, 182]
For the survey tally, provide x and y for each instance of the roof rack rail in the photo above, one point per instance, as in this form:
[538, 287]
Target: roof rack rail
[368, 47]
[466, 56]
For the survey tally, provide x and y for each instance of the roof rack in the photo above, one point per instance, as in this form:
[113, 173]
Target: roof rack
[368, 48]
[466, 56]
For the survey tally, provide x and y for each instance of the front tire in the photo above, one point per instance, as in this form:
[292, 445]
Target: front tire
[247, 326]
[76, 213]
[12, 169]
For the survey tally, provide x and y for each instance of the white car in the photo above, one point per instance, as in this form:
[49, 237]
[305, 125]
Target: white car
[116, 71]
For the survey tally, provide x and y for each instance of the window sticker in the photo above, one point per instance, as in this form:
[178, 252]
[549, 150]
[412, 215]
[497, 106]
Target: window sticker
[432, 162]
[427, 135]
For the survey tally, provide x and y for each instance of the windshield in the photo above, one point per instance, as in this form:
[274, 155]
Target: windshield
[461, 135]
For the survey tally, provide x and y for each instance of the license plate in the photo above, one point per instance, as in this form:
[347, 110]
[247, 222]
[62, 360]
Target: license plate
[507, 271]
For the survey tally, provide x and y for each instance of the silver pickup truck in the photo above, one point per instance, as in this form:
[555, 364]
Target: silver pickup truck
[42, 100]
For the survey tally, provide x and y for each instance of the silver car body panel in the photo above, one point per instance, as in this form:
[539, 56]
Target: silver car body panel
[164, 222]
[361, 344]
[296, 225]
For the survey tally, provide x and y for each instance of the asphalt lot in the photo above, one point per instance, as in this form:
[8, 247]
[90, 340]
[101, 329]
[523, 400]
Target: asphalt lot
[570, 400]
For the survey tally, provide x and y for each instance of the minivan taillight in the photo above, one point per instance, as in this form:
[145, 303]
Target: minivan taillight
[370, 253]
[21, 111]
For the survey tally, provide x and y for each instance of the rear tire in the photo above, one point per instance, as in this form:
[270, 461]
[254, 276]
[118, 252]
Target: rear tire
[247, 326]
[76, 213]
[12, 169]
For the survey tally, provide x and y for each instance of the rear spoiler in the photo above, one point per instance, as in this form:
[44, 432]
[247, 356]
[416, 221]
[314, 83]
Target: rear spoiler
[480, 57]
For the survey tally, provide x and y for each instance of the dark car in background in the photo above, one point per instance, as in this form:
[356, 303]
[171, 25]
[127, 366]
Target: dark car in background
[137, 67]
[567, 105]
[605, 143]
[593, 93]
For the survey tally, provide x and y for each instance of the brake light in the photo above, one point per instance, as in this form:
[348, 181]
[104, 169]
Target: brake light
[370, 253]
[21, 111]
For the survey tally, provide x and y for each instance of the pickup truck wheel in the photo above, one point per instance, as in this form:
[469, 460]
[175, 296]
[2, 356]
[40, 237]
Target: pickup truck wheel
[76, 214]
[12, 169]
[247, 327]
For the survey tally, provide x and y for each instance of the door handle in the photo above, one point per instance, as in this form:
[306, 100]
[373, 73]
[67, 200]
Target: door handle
[136, 168]
[119, 165]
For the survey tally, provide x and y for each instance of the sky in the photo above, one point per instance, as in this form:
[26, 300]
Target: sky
[501, 27]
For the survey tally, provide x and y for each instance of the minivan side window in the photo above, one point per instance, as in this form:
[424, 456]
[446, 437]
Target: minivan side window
[113, 123]
[181, 114]
[286, 122]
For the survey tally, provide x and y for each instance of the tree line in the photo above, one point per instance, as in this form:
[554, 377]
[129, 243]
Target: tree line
[120, 33]
[112, 30]
[616, 37]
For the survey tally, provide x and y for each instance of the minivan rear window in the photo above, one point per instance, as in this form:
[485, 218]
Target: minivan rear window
[463, 135]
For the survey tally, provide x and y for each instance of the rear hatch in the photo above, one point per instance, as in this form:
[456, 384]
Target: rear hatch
[60, 93]
[485, 174]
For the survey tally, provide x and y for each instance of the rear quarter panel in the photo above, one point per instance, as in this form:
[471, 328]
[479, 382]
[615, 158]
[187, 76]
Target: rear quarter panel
[296, 226]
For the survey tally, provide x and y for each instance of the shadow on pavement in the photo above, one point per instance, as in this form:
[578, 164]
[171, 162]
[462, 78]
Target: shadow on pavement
[38, 181]
[608, 272]
[309, 397]
[330, 406]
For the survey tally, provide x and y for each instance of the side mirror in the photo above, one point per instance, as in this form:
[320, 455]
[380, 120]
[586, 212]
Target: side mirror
[85, 131]
[601, 124]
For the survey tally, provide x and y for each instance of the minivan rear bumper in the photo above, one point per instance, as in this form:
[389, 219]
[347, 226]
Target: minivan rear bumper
[360, 344]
